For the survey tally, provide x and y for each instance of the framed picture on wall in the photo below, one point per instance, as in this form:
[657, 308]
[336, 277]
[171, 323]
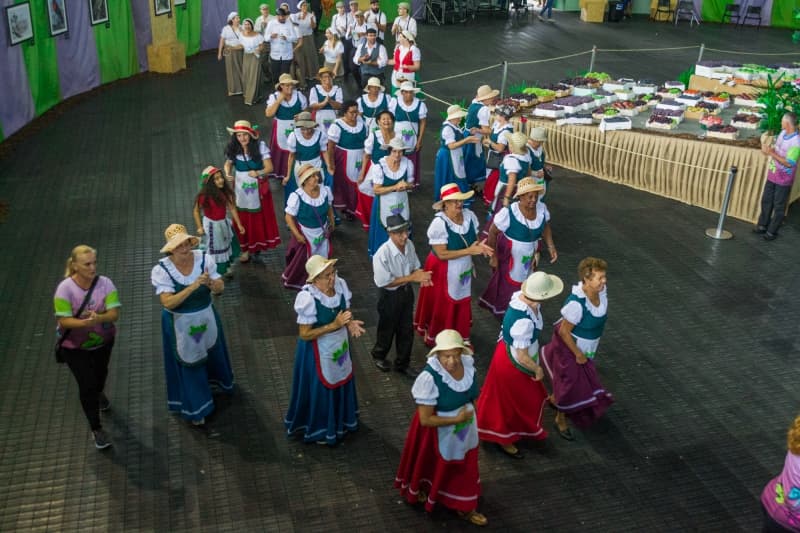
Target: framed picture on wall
[20, 25]
[98, 11]
[57, 16]
[162, 7]
[179, 3]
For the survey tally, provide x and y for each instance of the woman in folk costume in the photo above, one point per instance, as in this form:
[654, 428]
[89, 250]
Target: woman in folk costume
[325, 99]
[450, 157]
[497, 143]
[569, 356]
[195, 353]
[375, 148]
[247, 165]
[231, 48]
[453, 237]
[333, 52]
[253, 43]
[539, 169]
[391, 177]
[214, 201]
[372, 103]
[439, 464]
[513, 396]
[309, 217]
[345, 156]
[411, 119]
[406, 60]
[282, 106]
[478, 124]
[515, 166]
[515, 234]
[305, 23]
[323, 405]
[306, 144]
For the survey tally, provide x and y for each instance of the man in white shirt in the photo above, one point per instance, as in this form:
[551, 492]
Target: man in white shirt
[395, 266]
[371, 58]
[282, 41]
[261, 27]
[376, 18]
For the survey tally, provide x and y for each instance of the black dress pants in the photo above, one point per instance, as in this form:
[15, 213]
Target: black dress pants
[395, 316]
[90, 368]
[773, 206]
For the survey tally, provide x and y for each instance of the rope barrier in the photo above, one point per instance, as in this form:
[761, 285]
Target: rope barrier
[754, 53]
[549, 59]
[428, 82]
[649, 49]
[428, 95]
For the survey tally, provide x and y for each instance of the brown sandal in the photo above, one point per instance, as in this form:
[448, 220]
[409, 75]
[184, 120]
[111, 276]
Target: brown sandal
[474, 518]
[422, 496]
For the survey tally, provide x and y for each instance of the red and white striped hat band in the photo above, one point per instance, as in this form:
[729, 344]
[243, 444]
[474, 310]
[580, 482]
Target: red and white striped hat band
[243, 126]
[452, 190]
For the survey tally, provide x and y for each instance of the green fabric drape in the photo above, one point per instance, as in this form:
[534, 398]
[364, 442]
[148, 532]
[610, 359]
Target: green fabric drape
[783, 13]
[713, 10]
[189, 26]
[116, 44]
[249, 8]
[41, 61]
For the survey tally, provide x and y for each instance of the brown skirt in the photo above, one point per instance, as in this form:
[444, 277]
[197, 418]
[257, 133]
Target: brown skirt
[233, 70]
[251, 78]
[307, 59]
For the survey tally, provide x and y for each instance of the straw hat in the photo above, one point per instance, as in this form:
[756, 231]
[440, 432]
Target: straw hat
[404, 5]
[395, 144]
[316, 265]
[538, 134]
[286, 78]
[517, 141]
[410, 36]
[243, 126]
[324, 70]
[374, 82]
[408, 86]
[396, 223]
[306, 171]
[454, 111]
[451, 192]
[304, 120]
[175, 234]
[541, 286]
[449, 339]
[526, 185]
[208, 173]
[232, 15]
[485, 92]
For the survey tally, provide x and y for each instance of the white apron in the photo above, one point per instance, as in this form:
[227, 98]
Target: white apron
[457, 439]
[246, 188]
[521, 260]
[282, 130]
[394, 203]
[195, 334]
[459, 278]
[333, 353]
[353, 161]
[317, 240]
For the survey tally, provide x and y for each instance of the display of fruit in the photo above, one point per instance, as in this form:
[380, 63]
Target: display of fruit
[676, 113]
[711, 120]
[603, 92]
[708, 106]
[599, 76]
[555, 87]
[624, 104]
[605, 111]
[720, 63]
[660, 119]
[580, 80]
[539, 92]
[549, 106]
[722, 128]
[750, 119]
[574, 101]
[616, 120]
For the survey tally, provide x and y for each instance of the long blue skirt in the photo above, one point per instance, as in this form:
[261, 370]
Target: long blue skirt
[474, 165]
[320, 413]
[444, 174]
[377, 233]
[188, 387]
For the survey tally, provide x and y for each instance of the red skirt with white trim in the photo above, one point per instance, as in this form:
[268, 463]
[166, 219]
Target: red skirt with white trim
[454, 484]
[511, 404]
[364, 204]
[436, 310]
[260, 228]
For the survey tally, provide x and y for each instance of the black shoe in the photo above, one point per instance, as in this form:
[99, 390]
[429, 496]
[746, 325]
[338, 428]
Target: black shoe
[770, 236]
[408, 372]
[760, 230]
[517, 455]
[565, 434]
[101, 440]
[382, 364]
[105, 404]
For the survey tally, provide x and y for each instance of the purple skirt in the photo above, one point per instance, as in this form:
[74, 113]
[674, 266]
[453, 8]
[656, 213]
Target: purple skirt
[295, 275]
[577, 390]
[501, 287]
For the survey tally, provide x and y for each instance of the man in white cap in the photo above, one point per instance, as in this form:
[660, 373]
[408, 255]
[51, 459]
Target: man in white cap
[371, 58]
[282, 41]
[395, 266]
[404, 20]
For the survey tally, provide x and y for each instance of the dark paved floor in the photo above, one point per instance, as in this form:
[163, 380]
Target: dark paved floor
[700, 350]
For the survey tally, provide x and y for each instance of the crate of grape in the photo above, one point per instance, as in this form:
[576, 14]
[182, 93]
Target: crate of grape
[578, 119]
[711, 120]
[626, 108]
[602, 112]
[746, 121]
[721, 131]
[671, 105]
[615, 123]
[548, 110]
[661, 122]
[748, 100]
[674, 114]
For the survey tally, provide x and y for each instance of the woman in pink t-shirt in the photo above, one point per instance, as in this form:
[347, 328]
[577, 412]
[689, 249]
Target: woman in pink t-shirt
[780, 499]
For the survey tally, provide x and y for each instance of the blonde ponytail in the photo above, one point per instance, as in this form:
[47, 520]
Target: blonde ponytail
[73, 256]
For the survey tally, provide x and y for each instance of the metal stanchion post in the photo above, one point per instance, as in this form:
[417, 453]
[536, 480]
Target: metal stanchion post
[594, 54]
[719, 233]
[702, 49]
[505, 78]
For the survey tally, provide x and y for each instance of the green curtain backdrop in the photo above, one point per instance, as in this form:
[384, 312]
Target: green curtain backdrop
[116, 45]
[41, 62]
[249, 8]
[713, 10]
[188, 22]
[783, 13]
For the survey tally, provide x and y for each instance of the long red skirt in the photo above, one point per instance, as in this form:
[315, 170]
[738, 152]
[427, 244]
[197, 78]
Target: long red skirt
[454, 484]
[436, 310]
[261, 228]
[490, 186]
[576, 388]
[345, 192]
[511, 404]
[364, 204]
[280, 157]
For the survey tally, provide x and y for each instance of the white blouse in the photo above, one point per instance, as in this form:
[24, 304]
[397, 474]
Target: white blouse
[425, 391]
[437, 231]
[304, 302]
[332, 54]
[335, 131]
[377, 172]
[163, 283]
[502, 220]
[293, 202]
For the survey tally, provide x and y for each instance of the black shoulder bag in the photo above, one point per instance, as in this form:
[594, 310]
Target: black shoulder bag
[59, 350]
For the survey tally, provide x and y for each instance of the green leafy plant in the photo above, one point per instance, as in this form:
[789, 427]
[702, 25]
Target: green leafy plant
[686, 75]
[778, 98]
[517, 89]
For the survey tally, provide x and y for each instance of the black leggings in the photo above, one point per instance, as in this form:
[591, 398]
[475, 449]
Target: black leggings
[90, 368]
